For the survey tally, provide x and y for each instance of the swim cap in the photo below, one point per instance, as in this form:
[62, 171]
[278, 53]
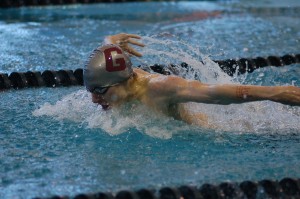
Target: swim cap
[107, 66]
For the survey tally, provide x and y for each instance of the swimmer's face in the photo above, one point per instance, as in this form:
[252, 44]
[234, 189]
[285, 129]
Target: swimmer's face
[114, 96]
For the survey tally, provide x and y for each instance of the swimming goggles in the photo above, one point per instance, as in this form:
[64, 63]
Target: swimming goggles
[100, 90]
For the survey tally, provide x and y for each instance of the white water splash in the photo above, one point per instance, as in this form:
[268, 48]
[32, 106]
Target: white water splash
[173, 51]
[255, 117]
[78, 107]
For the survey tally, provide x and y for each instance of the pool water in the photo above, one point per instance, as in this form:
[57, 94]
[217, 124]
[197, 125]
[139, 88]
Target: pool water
[55, 141]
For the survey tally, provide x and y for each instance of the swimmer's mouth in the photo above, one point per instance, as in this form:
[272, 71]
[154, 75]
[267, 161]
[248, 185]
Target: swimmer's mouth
[105, 107]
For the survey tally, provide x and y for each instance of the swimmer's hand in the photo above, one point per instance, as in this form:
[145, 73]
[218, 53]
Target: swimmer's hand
[123, 40]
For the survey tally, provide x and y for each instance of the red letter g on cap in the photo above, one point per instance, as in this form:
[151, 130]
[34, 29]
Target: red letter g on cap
[116, 64]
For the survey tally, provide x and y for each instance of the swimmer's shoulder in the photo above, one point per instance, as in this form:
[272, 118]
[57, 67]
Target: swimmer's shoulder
[157, 81]
[145, 75]
[140, 71]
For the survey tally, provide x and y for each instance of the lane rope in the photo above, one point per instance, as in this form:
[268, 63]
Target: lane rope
[243, 65]
[285, 188]
[62, 78]
[19, 3]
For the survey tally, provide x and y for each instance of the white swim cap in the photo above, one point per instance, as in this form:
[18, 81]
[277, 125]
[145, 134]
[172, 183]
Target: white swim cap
[107, 66]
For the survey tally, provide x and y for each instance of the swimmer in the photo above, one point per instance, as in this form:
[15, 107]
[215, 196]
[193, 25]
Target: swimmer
[112, 81]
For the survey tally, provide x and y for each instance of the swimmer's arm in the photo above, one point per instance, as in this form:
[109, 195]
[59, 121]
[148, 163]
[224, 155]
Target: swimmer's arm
[123, 40]
[182, 90]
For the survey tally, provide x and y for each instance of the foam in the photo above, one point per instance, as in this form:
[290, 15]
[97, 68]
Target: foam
[254, 117]
[78, 107]
[170, 50]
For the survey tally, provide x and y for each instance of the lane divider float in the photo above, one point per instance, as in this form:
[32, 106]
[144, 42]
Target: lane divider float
[19, 3]
[62, 78]
[285, 188]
